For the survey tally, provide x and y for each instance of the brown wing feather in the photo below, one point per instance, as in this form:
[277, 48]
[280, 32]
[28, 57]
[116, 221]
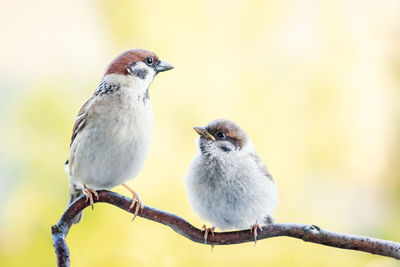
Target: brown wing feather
[262, 166]
[81, 121]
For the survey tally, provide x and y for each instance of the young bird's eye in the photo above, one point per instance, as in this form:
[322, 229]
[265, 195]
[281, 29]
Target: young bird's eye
[220, 135]
[149, 61]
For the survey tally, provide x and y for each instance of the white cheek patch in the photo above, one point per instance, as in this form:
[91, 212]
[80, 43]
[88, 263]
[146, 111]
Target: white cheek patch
[141, 71]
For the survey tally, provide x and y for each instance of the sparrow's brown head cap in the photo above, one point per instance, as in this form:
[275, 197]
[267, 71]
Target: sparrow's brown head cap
[122, 62]
[226, 129]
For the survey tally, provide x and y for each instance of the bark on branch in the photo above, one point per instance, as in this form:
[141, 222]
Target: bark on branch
[308, 233]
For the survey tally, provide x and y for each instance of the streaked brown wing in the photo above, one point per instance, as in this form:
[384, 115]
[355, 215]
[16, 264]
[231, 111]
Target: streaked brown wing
[262, 166]
[81, 121]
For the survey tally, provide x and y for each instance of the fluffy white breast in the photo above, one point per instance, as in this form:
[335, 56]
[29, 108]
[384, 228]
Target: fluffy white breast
[229, 191]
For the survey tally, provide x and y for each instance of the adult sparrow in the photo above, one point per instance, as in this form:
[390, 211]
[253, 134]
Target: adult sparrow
[227, 183]
[112, 133]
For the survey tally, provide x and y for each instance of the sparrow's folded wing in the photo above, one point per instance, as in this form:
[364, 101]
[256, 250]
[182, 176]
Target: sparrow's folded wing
[81, 119]
[261, 165]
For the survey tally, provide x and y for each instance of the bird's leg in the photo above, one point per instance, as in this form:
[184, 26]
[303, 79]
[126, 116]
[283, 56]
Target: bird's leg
[253, 229]
[135, 199]
[206, 231]
[89, 192]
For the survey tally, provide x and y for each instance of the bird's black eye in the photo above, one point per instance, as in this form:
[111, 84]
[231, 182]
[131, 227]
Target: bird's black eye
[149, 60]
[220, 135]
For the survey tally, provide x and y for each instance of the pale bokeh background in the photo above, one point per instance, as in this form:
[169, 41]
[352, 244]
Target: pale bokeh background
[314, 83]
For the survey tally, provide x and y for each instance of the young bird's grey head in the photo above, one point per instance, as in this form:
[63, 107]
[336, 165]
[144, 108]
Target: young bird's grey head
[140, 64]
[220, 137]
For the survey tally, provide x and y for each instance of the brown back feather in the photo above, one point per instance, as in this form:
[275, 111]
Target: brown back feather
[261, 165]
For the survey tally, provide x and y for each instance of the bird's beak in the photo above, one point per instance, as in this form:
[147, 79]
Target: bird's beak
[204, 133]
[163, 66]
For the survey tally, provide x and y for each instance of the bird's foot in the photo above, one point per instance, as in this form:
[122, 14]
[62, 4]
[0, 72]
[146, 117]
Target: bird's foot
[206, 231]
[135, 200]
[253, 229]
[89, 192]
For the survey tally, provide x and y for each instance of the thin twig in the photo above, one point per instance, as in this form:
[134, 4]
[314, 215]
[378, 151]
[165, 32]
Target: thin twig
[308, 233]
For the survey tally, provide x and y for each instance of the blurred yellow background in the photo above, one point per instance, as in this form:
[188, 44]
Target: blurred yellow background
[314, 83]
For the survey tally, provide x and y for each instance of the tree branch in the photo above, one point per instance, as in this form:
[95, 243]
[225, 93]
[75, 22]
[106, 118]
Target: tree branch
[308, 233]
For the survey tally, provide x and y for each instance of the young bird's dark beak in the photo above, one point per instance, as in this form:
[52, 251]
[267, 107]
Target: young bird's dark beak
[163, 66]
[204, 133]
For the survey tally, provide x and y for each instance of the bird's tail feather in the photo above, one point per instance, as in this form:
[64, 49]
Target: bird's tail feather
[75, 191]
[269, 220]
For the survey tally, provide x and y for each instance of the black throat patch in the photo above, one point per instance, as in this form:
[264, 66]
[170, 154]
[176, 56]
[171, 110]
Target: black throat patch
[146, 96]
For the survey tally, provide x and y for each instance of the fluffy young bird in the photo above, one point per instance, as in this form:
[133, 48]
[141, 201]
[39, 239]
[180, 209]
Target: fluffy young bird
[227, 183]
[112, 133]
